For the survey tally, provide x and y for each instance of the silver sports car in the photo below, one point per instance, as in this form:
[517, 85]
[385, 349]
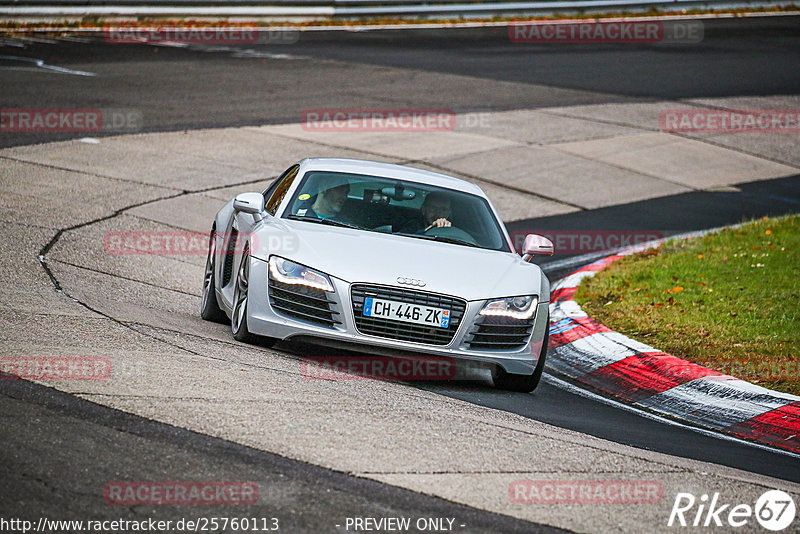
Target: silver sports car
[380, 258]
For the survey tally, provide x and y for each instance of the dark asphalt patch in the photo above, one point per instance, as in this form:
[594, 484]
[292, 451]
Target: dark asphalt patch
[670, 215]
[59, 452]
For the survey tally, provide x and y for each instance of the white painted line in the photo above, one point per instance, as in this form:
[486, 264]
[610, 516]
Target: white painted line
[593, 352]
[257, 54]
[573, 280]
[719, 401]
[167, 44]
[42, 65]
[752, 389]
[27, 69]
[565, 308]
[557, 382]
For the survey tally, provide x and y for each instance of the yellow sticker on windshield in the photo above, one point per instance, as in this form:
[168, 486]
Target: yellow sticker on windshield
[304, 196]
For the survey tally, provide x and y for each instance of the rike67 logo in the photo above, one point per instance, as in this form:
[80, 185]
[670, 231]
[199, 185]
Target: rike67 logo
[774, 510]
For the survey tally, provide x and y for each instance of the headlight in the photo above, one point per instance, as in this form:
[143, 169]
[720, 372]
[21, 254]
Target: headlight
[515, 307]
[290, 272]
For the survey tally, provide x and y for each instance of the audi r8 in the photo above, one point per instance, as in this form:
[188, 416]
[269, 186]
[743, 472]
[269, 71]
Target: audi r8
[384, 258]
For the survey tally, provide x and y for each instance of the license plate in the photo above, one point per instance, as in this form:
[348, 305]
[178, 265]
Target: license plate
[407, 313]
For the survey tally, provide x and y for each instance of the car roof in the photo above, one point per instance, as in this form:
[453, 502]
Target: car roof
[389, 170]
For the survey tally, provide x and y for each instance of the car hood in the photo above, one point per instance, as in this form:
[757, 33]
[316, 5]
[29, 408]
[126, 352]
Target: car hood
[361, 256]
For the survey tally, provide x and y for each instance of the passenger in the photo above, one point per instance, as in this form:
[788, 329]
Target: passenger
[331, 196]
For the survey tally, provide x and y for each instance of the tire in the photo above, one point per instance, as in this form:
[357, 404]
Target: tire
[209, 307]
[524, 383]
[239, 309]
[239, 312]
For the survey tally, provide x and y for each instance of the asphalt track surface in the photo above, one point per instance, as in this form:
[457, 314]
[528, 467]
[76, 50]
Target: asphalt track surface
[178, 89]
[182, 89]
[46, 439]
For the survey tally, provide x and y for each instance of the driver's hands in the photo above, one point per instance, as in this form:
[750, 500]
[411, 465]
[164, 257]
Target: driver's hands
[439, 223]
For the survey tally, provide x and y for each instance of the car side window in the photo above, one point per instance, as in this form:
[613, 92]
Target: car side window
[274, 195]
[271, 188]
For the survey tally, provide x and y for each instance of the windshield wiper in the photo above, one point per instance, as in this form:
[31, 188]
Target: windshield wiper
[454, 240]
[440, 238]
[329, 222]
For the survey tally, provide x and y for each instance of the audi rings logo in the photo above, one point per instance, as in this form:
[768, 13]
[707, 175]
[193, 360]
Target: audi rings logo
[410, 282]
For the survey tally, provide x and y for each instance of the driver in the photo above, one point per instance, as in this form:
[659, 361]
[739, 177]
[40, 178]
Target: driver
[435, 212]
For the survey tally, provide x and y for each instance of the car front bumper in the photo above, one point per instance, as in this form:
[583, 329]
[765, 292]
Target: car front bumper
[263, 319]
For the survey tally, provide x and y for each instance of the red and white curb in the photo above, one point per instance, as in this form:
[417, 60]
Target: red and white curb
[591, 354]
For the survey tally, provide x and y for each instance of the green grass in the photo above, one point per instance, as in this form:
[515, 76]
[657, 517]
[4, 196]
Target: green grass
[729, 301]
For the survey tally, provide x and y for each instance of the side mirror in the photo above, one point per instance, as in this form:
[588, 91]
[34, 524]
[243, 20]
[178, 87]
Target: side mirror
[536, 245]
[252, 203]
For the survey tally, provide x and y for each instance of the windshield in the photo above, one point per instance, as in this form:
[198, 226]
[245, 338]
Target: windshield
[408, 209]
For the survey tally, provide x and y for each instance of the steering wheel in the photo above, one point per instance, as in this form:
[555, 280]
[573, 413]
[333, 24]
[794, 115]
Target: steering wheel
[452, 232]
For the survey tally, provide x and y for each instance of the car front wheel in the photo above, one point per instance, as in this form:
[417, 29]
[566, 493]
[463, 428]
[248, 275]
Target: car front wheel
[523, 383]
[239, 313]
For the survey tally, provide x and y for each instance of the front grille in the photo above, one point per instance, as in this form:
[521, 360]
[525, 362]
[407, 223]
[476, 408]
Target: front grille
[381, 327]
[227, 268]
[304, 303]
[504, 333]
